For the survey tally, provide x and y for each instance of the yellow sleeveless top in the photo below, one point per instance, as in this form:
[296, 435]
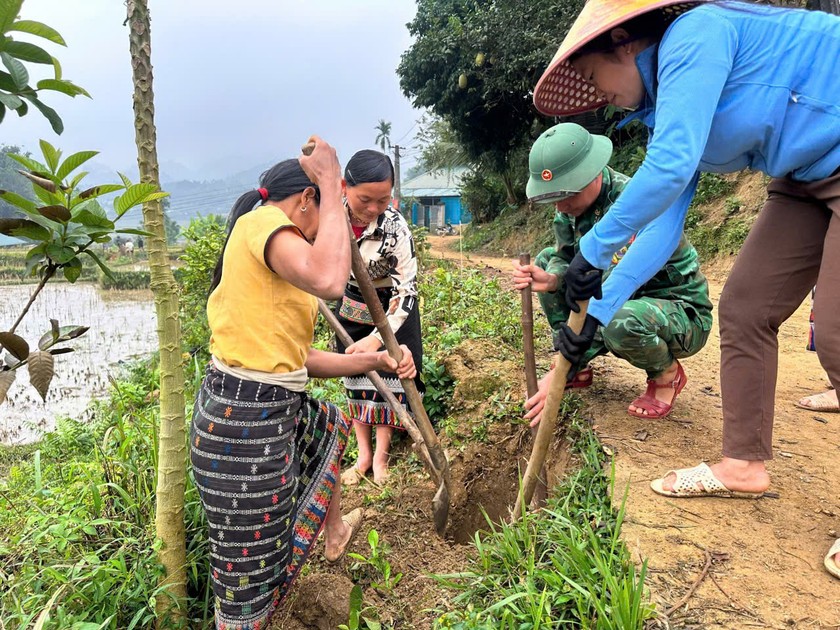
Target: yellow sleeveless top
[259, 321]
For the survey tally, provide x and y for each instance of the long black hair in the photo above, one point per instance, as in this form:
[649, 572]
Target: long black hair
[368, 166]
[280, 182]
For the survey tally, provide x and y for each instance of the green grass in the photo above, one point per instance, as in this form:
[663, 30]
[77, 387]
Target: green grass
[565, 566]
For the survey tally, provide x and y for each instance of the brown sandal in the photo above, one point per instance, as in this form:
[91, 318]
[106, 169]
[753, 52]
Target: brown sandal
[656, 408]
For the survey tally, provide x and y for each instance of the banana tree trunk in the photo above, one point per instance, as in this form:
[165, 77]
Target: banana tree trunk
[172, 452]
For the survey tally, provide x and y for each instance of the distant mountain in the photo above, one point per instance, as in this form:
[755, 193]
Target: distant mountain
[190, 198]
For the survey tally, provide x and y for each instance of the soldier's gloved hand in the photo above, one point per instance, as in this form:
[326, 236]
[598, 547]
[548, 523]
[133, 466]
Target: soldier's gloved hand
[583, 281]
[573, 346]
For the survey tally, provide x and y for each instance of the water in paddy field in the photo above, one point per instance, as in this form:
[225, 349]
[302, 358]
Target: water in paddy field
[122, 327]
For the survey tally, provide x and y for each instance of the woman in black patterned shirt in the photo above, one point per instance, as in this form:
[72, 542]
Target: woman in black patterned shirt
[387, 247]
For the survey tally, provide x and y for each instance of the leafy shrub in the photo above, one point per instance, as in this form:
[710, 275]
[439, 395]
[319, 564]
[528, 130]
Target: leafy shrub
[126, 280]
[205, 237]
[484, 194]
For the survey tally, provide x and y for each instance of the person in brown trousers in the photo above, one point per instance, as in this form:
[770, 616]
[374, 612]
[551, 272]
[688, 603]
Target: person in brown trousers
[723, 87]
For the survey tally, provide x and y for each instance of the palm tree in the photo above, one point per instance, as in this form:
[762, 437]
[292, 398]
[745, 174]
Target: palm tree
[383, 135]
[172, 459]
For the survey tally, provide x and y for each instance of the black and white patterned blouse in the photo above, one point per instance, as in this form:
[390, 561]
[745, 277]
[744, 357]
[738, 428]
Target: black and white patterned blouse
[387, 247]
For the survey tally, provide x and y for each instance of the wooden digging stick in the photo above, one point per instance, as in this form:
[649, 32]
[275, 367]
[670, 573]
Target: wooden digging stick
[541, 490]
[545, 431]
[381, 386]
[440, 503]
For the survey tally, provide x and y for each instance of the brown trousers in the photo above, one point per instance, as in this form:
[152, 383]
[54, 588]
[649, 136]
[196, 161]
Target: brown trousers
[794, 244]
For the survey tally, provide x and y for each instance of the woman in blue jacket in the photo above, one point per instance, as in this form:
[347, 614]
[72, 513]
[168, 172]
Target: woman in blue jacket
[722, 87]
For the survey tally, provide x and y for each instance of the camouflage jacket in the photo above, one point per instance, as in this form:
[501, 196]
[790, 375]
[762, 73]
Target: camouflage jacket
[680, 279]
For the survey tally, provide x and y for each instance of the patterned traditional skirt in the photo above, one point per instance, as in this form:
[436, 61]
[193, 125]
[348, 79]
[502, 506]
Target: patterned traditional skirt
[364, 403]
[265, 461]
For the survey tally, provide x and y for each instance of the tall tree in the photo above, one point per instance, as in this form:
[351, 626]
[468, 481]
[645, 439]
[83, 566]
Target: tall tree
[383, 135]
[474, 63]
[171, 478]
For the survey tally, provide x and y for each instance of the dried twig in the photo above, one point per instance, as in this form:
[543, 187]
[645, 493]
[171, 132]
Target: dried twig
[693, 588]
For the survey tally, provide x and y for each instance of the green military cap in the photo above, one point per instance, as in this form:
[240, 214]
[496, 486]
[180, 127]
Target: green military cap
[563, 161]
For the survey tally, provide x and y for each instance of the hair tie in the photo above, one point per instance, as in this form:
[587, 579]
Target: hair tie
[263, 193]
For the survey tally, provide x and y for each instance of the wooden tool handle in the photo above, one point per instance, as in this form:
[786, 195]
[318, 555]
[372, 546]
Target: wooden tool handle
[545, 431]
[379, 384]
[528, 333]
[308, 148]
[392, 345]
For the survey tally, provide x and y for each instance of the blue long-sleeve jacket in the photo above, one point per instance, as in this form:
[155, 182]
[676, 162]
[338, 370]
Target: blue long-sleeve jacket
[727, 88]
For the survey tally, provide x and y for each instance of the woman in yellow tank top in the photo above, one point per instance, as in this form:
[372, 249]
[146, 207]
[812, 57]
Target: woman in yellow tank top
[265, 455]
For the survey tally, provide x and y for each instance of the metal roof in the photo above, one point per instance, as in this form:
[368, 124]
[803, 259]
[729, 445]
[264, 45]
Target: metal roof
[443, 183]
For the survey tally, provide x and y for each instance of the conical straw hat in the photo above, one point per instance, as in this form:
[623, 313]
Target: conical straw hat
[561, 90]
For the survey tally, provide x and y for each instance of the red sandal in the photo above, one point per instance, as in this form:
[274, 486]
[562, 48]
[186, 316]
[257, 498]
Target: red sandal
[656, 408]
[580, 379]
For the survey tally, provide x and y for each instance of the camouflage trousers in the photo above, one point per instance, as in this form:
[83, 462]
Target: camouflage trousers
[649, 333]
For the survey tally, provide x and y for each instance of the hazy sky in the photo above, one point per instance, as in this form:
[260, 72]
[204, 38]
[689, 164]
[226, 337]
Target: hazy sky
[237, 83]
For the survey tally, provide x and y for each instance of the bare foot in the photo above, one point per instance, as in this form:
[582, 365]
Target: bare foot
[339, 536]
[380, 468]
[837, 560]
[825, 401]
[337, 540]
[662, 394]
[737, 475]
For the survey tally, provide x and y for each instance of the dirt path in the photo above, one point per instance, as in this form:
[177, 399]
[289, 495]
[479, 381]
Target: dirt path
[767, 555]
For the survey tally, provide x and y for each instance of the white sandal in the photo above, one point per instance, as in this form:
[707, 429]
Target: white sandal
[686, 485]
[830, 562]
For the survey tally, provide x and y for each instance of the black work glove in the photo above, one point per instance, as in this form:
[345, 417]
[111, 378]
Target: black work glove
[573, 346]
[583, 281]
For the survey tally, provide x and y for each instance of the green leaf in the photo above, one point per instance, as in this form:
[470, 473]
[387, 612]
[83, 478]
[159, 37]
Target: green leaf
[57, 68]
[2, 112]
[28, 162]
[51, 155]
[55, 351]
[93, 219]
[134, 194]
[73, 269]
[135, 231]
[60, 254]
[100, 264]
[126, 182]
[56, 213]
[33, 232]
[9, 10]
[10, 100]
[16, 200]
[62, 85]
[73, 162]
[28, 52]
[16, 345]
[38, 29]
[48, 112]
[16, 69]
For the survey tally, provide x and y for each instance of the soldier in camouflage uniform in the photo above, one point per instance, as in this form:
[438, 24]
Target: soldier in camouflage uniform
[667, 318]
